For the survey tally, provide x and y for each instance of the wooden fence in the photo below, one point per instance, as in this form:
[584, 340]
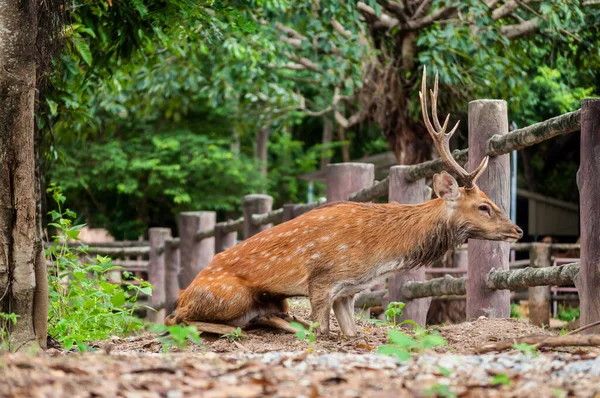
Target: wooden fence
[174, 262]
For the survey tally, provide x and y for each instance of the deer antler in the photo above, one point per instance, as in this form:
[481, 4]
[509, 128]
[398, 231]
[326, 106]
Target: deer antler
[441, 139]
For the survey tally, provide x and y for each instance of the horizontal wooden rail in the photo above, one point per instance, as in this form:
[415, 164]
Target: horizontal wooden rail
[497, 280]
[534, 134]
[228, 226]
[119, 251]
[274, 216]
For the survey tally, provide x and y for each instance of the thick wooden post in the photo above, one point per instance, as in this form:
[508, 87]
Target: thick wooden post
[255, 204]
[588, 280]
[487, 118]
[157, 271]
[405, 192]
[344, 179]
[539, 296]
[194, 254]
[288, 212]
[224, 240]
[172, 276]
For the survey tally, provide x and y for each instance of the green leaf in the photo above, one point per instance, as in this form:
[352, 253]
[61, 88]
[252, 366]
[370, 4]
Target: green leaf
[501, 378]
[401, 354]
[83, 49]
[118, 299]
[53, 106]
[400, 339]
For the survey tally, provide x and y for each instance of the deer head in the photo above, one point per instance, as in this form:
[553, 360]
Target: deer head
[468, 206]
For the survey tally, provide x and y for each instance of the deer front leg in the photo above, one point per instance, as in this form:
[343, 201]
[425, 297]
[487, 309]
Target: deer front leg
[320, 302]
[343, 308]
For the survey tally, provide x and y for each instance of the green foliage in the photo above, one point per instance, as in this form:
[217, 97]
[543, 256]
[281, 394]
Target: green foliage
[527, 349]
[501, 379]
[393, 311]
[84, 305]
[402, 345]
[154, 173]
[304, 333]
[567, 313]
[439, 390]
[176, 335]
[5, 324]
[236, 335]
[514, 311]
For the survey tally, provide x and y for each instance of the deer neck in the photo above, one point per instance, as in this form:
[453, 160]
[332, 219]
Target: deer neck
[427, 231]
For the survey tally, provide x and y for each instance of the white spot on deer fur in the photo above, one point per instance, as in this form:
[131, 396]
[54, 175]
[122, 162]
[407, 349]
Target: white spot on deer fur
[321, 217]
[210, 278]
[315, 256]
[311, 244]
[353, 211]
[324, 238]
[342, 247]
[346, 225]
[220, 276]
[358, 242]
[219, 269]
[236, 259]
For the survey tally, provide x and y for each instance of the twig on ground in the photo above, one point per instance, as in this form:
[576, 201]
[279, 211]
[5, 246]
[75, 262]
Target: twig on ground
[581, 329]
[591, 340]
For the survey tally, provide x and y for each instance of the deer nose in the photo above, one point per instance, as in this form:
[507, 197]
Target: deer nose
[519, 231]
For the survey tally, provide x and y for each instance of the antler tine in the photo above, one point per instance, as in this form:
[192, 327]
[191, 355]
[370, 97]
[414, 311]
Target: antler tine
[441, 139]
[434, 95]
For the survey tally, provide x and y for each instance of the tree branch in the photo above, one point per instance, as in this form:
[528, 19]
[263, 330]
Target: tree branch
[340, 29]
[384, 20]
[519, 30]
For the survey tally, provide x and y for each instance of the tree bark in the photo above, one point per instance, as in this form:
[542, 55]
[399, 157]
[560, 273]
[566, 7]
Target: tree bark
[260, 150]
[345, 147]
[20, 247]
[326, 141]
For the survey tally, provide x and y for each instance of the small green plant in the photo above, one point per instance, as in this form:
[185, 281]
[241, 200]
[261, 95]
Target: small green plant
[302, 333]
[5, 321]
[514, 311]
[84, 305]
[566, 313]
[236, 335]
[402, 345]
[439, 390]
[176, 335]
[501, 379]
[526, 349]
[393, 311]
[444, 371]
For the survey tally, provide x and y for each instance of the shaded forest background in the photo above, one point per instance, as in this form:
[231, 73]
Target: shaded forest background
[157, 107]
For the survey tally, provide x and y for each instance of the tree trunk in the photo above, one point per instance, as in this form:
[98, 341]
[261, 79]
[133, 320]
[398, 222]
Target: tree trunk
[326, 141]
[260, 149]
[21, 259]
[345, 147]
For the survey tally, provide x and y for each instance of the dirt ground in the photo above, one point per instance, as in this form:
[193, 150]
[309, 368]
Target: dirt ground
[274, 364]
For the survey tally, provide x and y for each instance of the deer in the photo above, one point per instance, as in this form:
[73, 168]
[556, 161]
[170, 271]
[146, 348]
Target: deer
[339, 249]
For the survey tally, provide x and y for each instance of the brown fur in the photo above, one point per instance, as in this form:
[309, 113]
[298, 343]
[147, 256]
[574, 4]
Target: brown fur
[332, 253]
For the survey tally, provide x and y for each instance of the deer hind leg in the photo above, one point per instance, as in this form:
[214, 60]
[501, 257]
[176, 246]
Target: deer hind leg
[343, 307]
[274, 321]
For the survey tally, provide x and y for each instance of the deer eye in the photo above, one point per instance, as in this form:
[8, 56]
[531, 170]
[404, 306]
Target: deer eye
[485, 208]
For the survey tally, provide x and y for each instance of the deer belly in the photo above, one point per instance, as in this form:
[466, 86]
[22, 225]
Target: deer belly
[373, 276]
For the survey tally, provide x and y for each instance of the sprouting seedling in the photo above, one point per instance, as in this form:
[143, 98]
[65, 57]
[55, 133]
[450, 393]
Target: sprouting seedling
[176, 335]
[501, 379]
[402, 345]
[302, 332]
[526, 348]
[236, 335]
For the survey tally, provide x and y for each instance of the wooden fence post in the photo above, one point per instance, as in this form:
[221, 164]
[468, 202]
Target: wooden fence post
[255, 204]
[224, 240]
[344, 179]
[172, 276]
[157, 271]
[194, 254]
[288, 212]
[405, 192]
[588, 278]
[487, 118]
[539, 296]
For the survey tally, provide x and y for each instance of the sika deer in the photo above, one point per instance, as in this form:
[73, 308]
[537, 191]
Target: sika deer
[337, 250]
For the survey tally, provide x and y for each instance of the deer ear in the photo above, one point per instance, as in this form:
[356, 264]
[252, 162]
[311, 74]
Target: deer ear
[445, 186]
